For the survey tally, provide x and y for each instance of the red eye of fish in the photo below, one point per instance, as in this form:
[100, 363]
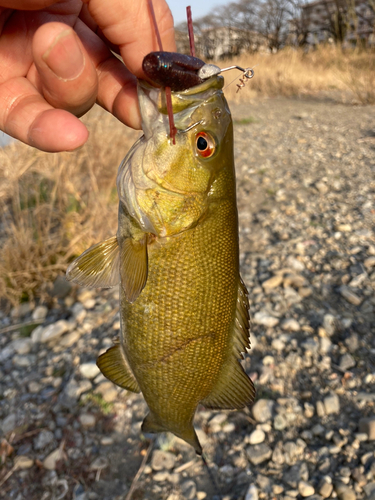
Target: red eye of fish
[205, 144]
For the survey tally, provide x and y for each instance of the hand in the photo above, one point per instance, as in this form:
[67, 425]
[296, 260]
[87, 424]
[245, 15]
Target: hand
[55, 63]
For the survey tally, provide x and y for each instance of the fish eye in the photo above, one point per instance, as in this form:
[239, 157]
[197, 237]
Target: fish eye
[205, 144]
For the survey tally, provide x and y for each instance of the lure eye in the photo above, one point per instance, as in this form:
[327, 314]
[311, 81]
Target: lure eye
[205, 144]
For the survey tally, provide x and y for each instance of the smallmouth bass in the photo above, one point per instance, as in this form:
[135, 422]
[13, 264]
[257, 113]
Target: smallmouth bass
[183, 306]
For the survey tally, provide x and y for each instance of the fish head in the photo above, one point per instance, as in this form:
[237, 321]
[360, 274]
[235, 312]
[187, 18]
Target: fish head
[166, 186]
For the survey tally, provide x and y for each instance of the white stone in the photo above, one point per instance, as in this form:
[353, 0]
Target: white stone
[290, 325]
[87, 420]
[265, 319]
[252, 493]
[22, 345]
[257, 436]
[40, 313]
[89, 370]
[54, 331]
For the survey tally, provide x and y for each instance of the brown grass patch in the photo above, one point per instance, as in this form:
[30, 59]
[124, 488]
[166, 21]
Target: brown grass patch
[54, 206]
[291, 72]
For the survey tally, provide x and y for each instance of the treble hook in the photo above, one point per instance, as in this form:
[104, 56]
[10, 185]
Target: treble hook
[247, 74]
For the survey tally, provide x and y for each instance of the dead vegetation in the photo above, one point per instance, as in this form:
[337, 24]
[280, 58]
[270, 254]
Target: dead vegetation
[54, 206]
[290, 72]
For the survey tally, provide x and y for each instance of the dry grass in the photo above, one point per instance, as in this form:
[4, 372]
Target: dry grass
[349, 74]
[54, 206]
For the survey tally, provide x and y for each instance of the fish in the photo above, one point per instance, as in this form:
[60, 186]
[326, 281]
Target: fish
[184, 308]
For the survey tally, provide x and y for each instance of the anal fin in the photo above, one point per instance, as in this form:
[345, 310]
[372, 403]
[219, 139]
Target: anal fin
[233, 389]
[114, 366]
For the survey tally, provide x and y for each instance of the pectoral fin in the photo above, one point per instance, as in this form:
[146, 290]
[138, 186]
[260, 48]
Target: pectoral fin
[133, 267]
[115, 367]
[98, 266]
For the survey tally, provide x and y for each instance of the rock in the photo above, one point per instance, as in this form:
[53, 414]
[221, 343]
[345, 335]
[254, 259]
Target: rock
[108, 391]
[258, 453]
[346, 362]
[89, 370]
[322, 187]
[22, 345]
[22, 361]
[54, 331]
[331, 404]
[279, 423]
[51, 460]
[34, 387]
[263, 410]
[369, 262]
[162, 460]
[295, 264]
[61, 287]
[290, 325]
[22, 309]
[343, 491]
[40, 313]
[350, 296]
[201, 495]
[188, 489]
[43, 439]
[36, 334]
[252, 493]
[330, 324]
[23, 462]
[367, 425]
[272, 283]
[106, 441]
[265, 319]
[9, 423]
[87, 420]
[69, 339]
[257, 436]
[305, 489]
[325, 487]
[278, 344]
[369, 489]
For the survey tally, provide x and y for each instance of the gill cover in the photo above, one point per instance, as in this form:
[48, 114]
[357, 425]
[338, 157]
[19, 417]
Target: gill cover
[164, 187]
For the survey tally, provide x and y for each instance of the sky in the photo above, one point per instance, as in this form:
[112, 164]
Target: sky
[199, 8]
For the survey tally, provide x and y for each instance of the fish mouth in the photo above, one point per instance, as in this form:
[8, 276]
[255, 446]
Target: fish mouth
[153, 106]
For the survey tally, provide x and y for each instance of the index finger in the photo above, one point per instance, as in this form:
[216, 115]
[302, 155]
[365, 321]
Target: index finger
[129, 25]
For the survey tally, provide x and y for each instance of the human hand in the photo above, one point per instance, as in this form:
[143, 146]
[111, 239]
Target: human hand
[55, 63]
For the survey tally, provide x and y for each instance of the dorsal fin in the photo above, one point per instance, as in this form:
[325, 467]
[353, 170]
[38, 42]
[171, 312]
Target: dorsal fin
[115, 367]
[133, 267]
[233, 389]
[98, 266]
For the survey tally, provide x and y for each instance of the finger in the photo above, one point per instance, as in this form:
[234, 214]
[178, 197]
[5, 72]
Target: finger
[66, 75]
[25, 115]
[129, 25]
[26, 4]
[117, 87]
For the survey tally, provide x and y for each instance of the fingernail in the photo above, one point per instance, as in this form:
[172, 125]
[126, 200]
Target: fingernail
[64, 57]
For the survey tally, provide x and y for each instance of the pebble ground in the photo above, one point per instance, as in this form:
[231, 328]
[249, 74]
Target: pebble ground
[306, 197]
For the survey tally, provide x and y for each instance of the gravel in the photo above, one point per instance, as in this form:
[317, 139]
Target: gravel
[306, 196]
